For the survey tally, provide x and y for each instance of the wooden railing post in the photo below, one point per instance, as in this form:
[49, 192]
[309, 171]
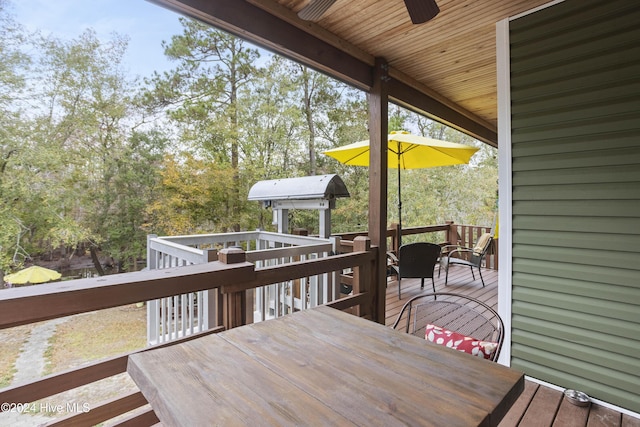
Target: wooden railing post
[214, 308]
[364, 280]
[395, 237]
[234, 304]
[452, 233]
[335, 278]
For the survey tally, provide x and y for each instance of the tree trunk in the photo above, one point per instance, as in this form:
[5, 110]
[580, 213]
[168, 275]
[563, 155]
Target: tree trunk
[308, 95]
[235, 203]
[96, 261]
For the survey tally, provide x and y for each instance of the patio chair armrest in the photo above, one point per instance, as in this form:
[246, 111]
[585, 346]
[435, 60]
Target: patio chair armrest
[447, 247]
[392, 264]
[459, 251]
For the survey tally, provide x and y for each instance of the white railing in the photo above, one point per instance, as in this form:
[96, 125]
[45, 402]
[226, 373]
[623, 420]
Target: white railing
[182, 315]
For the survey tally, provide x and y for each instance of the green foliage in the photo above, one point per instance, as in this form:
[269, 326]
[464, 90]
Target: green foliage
[135, 182]
[98, 161]
[14, 65]
[201, 94]
[270, 124]
[77, 173]
[465, 194]
[201, 97]
[86, 131]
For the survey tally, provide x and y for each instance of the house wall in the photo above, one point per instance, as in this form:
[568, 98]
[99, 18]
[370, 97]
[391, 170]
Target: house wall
[575, 197]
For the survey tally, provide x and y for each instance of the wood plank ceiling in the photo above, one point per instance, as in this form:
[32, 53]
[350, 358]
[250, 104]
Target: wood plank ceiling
[444, 68]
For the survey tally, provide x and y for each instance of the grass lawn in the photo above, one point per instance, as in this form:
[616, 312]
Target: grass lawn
[97, 335]
[94, 336]
[80, 340]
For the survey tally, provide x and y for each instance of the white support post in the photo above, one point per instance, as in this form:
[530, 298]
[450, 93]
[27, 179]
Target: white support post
[504, 186]
[325, 223]
[153, 310]
[283, 220]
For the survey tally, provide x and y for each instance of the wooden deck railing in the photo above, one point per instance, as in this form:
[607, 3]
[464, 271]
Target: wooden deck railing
[444, 234]
[231, 275]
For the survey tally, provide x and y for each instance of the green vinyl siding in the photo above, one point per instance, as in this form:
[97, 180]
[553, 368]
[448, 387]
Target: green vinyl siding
[575, 120]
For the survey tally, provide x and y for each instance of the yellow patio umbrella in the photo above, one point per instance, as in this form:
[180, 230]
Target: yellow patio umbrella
[33, 274]
[406, 151]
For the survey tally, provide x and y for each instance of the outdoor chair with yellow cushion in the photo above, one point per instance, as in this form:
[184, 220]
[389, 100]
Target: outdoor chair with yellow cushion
[456, 321]
[470, 257]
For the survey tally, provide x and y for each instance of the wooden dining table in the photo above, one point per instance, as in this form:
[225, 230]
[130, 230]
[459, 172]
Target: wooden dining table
[321, 367]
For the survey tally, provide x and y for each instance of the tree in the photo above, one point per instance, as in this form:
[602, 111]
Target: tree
[272, 126]
[82, 127]
[201, 96]
[347, 122]
[318, 96]
[82, 173]
[14, 65]
[135, 184]
[188, 196]
[464, 193]
[81, 168]
[271, 122]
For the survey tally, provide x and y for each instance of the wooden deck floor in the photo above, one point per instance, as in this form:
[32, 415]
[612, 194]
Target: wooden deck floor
[538, 406]
[460, 281]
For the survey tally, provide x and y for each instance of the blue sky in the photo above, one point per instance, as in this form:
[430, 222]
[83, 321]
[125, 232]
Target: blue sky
[145, 23]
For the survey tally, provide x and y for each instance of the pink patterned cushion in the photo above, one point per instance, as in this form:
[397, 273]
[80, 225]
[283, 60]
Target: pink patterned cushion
[460, 342]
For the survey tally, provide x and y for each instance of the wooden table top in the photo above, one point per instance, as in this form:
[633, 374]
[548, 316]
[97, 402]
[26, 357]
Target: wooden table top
[321, 367]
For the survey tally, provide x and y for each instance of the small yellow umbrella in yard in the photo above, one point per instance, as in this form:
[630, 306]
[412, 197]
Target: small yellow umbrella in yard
[406, 151]
[34, 274]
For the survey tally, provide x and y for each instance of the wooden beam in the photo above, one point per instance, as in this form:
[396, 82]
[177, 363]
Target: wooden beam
[277, 29]
[311, 27]
[89, 416]
[417, 97]
[378, 173]
[256, 25]
[413, 99]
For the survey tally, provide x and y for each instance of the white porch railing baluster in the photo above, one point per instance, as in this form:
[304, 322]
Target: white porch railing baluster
[200, 311]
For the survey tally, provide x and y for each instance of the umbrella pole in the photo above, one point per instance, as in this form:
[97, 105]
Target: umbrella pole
[399, 202]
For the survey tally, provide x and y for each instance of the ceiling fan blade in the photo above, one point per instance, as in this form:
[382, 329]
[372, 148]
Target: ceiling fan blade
[315, 9]
[421, 10]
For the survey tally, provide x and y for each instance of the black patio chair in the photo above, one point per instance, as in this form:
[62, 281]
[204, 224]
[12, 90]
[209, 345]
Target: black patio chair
[457, 321]
[417, 261]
